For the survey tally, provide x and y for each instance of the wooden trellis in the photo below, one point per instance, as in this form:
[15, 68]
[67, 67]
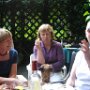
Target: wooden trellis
[23, 20]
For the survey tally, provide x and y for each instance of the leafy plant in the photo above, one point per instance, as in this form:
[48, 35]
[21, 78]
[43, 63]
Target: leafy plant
[87, 11]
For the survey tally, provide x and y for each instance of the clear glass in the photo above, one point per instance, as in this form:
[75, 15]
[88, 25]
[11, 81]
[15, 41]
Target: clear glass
[29, 79]
[35, 82]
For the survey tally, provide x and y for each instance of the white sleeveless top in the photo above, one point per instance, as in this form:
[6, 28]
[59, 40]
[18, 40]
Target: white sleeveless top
[82, 73]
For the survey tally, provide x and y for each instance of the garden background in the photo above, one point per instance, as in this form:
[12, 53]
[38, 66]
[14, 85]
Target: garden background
[23, 17]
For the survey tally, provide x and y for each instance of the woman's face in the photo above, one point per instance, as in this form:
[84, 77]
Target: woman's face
[6, 44]
[46, 37]
[87, 32]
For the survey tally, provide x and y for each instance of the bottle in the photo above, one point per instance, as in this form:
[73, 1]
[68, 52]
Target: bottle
[35, 77]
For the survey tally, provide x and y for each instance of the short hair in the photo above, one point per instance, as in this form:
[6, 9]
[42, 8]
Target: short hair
[4, 33]
[45, 27]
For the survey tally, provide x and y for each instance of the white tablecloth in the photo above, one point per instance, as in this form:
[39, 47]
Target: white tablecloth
[56, 86]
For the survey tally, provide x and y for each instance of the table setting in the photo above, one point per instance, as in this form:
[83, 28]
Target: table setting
[25, 86]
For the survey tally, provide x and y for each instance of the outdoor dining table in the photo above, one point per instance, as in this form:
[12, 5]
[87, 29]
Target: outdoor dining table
[47, 86]
[51, 86]
[54, 86]
[22, 84]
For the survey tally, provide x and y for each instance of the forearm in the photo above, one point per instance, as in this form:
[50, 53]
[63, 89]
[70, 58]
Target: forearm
[13, 72]
[40, 57]
[59, 60]
[70, 82]
[3, 80]
[9, 81]
[12, 76]
[57, 66]
[72, 77]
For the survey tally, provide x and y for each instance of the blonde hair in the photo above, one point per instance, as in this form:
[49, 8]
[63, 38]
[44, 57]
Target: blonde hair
[45, 27]
[4, 33]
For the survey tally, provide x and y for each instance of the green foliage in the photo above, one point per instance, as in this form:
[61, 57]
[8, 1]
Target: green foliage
[87, 11]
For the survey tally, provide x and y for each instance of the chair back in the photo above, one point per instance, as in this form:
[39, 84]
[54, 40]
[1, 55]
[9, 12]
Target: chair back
[71, 64]
[72, 60]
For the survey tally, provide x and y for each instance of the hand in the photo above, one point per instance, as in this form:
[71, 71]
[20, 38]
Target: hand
[37, 43]
[10, 81]
[45, 67]
[45, 72]
[84, 46]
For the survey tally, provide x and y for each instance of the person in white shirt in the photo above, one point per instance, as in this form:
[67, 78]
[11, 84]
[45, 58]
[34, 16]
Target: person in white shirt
[80, 73]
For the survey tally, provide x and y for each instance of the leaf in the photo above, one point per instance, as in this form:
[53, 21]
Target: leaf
[87, 18]
[86, 13]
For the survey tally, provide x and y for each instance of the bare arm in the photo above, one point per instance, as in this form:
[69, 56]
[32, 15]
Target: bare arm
[85, 48]
[71, 79]
[40, 56]
[13, 72]
[5, 80]
[10, 81]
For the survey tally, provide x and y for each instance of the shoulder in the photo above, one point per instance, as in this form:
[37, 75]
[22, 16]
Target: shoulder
[13, 55]
[78, 57]
[13, 51]
[56, 43]
[79, 53]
